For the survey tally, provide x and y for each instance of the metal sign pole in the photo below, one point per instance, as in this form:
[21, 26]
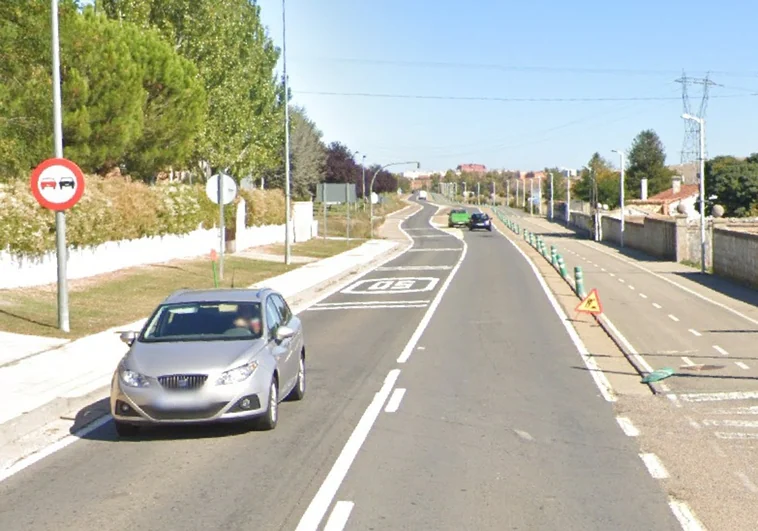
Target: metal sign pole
[323, 199]
[347, 203]
[60, 216]
[221, 226]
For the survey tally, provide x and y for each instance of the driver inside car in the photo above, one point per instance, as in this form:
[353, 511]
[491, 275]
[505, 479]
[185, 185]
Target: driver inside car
[248, 317]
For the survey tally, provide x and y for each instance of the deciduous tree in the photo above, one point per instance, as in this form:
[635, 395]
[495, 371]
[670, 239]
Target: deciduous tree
[647, 159]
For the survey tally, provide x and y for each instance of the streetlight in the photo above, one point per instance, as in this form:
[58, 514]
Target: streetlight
[287, 214]
[568, 198]
[621, 194]
[701, 123]
[371, 189]
[551, 196]
[594, 202]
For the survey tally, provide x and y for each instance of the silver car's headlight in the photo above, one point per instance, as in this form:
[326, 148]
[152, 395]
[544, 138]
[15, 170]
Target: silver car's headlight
[238, 374]
[134, 379]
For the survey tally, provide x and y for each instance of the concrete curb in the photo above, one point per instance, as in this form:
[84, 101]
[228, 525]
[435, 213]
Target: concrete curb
[76, 409]
[601, 321]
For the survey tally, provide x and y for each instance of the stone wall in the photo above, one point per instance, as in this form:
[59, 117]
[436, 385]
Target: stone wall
[735, 255]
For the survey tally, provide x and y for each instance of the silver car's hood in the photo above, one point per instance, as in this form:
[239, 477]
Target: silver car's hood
[189, 357]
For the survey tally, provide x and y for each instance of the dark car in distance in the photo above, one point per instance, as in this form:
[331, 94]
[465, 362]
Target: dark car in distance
[480, 220]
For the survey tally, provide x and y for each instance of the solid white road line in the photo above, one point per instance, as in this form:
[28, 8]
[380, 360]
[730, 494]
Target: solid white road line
[654, 466]
[694, 332]
[730, 435]
[415, 268]
[323, 499]
[369, 303]
[673, 318]
[720, 350]
[741, 365]
[408, 350]
[627, 426]
[594, 369]
[59, 445]
[338, 519]
[394, 402]
[434, 250]
[727, 423]
[685, 516]
[365, 307]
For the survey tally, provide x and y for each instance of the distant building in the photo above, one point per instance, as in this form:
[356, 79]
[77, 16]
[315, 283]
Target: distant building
[471, 168]
[669, 202]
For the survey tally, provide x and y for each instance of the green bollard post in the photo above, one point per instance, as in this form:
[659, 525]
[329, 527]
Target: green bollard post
[553, 255]
[562, 267]
[579, 277]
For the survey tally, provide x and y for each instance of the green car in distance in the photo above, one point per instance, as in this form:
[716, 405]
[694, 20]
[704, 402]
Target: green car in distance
[458, 218]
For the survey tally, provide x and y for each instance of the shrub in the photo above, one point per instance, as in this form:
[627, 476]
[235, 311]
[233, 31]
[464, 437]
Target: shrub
[114, 209]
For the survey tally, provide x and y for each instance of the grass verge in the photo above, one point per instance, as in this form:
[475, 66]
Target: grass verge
[317, 247]
[113, 299]
[336, 218]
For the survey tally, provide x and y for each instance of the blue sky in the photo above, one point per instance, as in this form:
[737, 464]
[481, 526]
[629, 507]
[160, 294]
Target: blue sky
[535, 49]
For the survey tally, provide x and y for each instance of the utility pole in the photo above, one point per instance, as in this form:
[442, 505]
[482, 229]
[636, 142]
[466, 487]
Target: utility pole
[568, 199]
[507, 193]
[478, 202]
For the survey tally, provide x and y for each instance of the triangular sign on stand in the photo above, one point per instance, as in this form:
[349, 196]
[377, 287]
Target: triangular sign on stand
[590, 304]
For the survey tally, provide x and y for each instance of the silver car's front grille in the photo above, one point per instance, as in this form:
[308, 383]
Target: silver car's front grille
[183, 382]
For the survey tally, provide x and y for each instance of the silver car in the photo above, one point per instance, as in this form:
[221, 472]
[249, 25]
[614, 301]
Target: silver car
[209, 356]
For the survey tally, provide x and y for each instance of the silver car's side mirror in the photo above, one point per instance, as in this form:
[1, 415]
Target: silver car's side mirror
[128, 337]
[284, 332]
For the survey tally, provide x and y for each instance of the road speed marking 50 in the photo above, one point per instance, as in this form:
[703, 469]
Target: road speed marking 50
[375, 286]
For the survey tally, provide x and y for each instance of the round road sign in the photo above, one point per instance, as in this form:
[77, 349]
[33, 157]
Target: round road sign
[57, 184]
[230, 189]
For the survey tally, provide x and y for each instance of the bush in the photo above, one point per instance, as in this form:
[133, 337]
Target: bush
[114, 209]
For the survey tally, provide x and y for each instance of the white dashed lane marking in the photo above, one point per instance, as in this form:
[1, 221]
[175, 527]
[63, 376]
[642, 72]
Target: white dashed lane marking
[654, 466]
[656, 305]
[694, 332]
[720, 350]
[741, 365]
[673, 317]
[643, 295]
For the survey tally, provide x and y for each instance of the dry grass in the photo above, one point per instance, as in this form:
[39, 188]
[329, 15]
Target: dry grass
[105, 301]
[317, 247]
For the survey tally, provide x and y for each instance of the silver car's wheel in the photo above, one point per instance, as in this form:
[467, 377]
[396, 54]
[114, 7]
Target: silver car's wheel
[269, 419]
[298, 392]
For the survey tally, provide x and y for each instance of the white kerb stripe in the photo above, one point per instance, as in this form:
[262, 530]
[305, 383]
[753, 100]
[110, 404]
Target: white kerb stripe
[654, 466]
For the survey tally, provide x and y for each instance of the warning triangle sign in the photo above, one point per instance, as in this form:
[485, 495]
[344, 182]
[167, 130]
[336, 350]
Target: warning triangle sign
[590, 304]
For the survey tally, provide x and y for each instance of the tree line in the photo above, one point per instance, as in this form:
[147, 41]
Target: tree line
[732, 180]
[152, 87]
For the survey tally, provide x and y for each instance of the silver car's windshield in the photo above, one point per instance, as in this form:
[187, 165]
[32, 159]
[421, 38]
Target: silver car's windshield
[204, 321]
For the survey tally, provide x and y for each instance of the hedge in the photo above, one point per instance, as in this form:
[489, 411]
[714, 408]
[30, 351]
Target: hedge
[114, 209]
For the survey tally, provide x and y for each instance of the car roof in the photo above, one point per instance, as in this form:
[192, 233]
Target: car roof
[219, 294]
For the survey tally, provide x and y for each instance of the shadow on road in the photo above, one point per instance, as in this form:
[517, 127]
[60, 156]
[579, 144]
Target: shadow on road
[724, 286]
[107, 432]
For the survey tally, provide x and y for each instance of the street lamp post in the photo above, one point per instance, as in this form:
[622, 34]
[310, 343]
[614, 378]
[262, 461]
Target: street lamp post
[539, 196]
[531, 196]
[568, 199]
[593, 202]
[371, 190]
[287, 206]
[551, 196]
[701, 123]
[621, 195]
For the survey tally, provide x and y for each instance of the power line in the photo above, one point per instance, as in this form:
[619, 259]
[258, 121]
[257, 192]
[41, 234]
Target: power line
[504, 99]
[518, 68]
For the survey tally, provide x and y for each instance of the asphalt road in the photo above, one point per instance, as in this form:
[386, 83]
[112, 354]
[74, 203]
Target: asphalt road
[500, 426]
[668, 326]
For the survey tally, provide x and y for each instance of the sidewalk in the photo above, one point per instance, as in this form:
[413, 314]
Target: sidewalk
[38, 387]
